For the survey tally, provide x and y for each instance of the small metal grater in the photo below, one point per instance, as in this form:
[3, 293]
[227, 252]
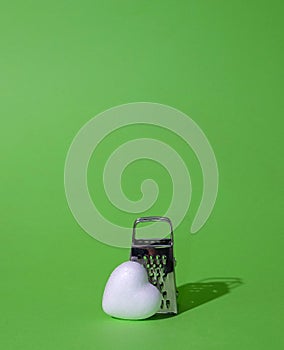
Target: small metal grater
[157, 256]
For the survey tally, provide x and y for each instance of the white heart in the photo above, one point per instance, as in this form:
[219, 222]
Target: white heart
[128, 293]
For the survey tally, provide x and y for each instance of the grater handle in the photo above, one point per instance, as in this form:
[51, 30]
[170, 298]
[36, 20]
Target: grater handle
[152, 219]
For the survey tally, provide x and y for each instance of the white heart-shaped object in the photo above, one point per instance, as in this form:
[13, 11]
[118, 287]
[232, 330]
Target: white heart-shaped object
[128, 293]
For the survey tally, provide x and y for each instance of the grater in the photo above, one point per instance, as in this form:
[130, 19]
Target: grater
[157, 256]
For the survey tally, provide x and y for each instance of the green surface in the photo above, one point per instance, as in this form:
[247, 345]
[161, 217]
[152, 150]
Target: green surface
[63, 62]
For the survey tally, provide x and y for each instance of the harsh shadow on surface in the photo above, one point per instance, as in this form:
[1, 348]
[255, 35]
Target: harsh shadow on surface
[191, 295]
[195, 294]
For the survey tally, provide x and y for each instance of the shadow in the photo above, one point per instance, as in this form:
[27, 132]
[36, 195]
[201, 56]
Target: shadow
[160, 316]
[192, 295]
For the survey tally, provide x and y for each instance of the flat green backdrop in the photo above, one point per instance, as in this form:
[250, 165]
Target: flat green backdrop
[63, 62]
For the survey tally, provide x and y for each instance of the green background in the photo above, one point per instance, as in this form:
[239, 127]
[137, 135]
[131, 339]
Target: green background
[63, 62]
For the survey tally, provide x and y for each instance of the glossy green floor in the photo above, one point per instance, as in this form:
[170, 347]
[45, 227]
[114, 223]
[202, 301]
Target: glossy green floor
[63, 62]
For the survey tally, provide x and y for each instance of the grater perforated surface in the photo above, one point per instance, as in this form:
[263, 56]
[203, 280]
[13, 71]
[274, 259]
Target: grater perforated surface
[157, 256]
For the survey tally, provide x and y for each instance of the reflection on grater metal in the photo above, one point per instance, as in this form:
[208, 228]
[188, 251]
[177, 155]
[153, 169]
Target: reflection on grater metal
[156, 255]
